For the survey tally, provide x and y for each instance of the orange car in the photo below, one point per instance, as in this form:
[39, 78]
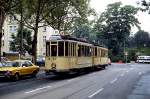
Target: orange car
[16, 69]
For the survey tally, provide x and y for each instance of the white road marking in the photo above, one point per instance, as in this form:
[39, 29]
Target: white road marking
[37, 89]
[113, 80]
[98, 91]
[72, 79]
[127, 71]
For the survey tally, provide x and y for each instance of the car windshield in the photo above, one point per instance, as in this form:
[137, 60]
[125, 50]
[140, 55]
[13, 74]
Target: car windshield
[2, 64]
[14, 64]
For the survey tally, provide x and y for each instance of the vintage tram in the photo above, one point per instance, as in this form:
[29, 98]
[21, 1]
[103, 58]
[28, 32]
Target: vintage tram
[68, 54]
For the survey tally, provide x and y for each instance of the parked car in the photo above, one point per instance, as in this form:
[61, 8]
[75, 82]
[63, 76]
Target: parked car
[40, 61]
[15, 69]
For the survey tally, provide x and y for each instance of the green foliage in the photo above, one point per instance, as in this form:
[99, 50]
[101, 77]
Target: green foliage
[59, 14]
[114, 25]
[145, 5]
[134, 52]
[5, 8]
[66, 13]
[82, 31]
[142, 39]
[144, 51]
[26, 46]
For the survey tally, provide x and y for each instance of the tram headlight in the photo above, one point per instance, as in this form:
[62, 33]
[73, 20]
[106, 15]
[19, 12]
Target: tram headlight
[53, 65]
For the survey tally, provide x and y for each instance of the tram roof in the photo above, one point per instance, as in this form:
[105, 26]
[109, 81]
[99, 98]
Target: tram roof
[74, 39]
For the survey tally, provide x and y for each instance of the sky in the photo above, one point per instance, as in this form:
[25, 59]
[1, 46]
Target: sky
[144, 18]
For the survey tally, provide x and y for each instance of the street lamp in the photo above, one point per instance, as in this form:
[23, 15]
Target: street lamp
[109, 33]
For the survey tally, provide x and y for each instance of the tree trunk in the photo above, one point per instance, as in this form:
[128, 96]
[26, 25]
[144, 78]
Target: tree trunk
[0, 40]
[34, 46]
[34, 43]
[2, 18]
[21, 49]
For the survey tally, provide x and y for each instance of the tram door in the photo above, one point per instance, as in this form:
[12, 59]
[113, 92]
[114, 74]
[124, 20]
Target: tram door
[53, 50]
[92, 55]
[72, 54]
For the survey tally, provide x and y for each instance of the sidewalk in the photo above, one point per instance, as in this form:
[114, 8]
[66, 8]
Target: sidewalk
[142, 88]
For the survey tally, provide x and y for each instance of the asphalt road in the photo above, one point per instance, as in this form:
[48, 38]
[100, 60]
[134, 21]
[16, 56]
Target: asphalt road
[115, 82]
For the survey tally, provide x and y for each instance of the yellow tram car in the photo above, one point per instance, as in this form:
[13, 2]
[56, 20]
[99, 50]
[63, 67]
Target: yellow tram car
[72, 55]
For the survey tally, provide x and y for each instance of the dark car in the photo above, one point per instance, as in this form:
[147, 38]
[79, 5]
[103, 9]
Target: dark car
[40, 61]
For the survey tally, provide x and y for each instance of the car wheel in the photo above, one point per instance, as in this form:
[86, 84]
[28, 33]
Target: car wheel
[103, 67]
[16, 77]
[34, 74]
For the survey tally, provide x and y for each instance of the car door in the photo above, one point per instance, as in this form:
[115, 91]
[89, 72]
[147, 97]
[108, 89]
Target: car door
[24, 68]
[30, 67]
[20, 68]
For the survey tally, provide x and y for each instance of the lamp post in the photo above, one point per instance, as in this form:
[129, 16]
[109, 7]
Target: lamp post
[124, 50]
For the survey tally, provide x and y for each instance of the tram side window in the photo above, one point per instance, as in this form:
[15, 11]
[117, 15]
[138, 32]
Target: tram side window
[106, 53]
[102, 53]
[79, 50]
[53, 50]
[60, 48]
[95, 51]
[47, 49]
[66, 48]
[87, 51]
[73, 49]
[83, 51]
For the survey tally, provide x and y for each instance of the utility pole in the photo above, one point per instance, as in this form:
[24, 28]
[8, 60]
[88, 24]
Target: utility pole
[125, 52]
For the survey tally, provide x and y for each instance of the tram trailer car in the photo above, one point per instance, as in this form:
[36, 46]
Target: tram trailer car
[66, 56]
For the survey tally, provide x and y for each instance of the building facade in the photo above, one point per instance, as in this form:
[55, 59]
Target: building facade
[11, 26]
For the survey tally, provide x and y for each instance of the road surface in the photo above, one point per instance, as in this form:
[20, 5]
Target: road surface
[115, 82]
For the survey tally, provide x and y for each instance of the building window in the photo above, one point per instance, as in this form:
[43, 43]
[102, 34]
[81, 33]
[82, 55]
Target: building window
[12, 19]
[3, 43]
[44, 38]
[12, 29]
[3, 32]
[44, 29]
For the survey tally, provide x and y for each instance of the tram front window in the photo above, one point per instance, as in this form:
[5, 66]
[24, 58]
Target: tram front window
[54, 50]
[60, 48]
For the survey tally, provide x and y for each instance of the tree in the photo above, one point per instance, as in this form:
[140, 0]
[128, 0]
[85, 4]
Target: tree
[71, 11]
[32, 17]
[145, 5]
[59, 14]
[115, 25]
[82, 31]
[5, 8]
[26, 44]
[99, 29]
[142, 39]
